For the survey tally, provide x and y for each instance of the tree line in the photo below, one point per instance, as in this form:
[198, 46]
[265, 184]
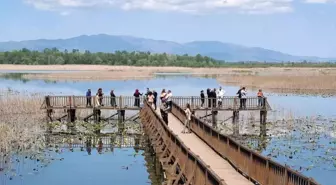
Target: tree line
[54, 56]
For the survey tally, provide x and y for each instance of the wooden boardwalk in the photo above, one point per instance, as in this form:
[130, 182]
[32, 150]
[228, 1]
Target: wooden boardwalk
[219, 165]
[204, 156]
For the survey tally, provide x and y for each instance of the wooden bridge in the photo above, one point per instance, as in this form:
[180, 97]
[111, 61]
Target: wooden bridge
[229, 103]
[204, 156]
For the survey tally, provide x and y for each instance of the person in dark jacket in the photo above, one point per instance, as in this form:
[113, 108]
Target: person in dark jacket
[209, 97]
[240, 98]
[113, 99]
[137, 95]
[155, 98]
[88, 98]
[214, 97]
[202, 98]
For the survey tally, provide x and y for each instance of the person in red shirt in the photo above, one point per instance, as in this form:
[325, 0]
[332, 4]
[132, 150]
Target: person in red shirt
[260, 98]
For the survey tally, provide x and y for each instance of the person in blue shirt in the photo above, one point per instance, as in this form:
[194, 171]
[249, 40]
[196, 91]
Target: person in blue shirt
[88, 98]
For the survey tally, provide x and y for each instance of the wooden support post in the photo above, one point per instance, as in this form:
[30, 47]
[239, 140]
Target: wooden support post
[97, 117]
[263, 119]
[214, 114]
[71, 115]
[121, 119]
[235, 122]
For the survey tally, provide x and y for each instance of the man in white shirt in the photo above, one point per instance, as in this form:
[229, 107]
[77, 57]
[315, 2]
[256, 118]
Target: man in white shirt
[220, 96]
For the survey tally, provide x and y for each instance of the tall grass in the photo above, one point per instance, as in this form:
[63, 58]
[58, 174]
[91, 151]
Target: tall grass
[310, 84]
[21, 125]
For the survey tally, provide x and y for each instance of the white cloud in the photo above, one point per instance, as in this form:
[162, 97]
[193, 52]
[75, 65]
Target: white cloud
[188, 6]
[317, 1]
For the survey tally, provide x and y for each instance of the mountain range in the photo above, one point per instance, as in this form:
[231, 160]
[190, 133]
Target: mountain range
[111, 43]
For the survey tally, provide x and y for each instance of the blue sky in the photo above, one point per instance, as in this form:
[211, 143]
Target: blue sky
[299, 27]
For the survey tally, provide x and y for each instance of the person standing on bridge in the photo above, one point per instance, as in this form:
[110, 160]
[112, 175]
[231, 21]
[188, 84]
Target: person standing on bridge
[243, 93]
[150, 99]
[113, 99]
[155, 98]
[260, 98]
[164, 112]
[169, 100]
[214, 97]
[209, 97]
[202, 98]
[220, 96]
[97, 100]
[137, 95]
[163, 95]
[188, 119]
[88, 98]
[100, 94]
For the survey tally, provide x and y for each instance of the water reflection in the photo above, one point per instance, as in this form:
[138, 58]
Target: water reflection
[83, 160]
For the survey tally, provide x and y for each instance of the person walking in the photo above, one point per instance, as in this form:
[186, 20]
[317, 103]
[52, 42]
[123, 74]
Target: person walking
[88, 98]
[187, 111]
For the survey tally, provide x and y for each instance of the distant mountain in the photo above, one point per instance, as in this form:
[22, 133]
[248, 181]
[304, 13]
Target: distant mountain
[110, 43]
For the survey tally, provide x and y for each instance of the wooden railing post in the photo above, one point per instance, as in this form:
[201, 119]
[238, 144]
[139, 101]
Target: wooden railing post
[73, 101]
[70, 101]
[286, 175]
[120, 102]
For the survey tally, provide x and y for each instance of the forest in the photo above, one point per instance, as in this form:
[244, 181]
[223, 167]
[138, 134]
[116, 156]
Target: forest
[56, 57]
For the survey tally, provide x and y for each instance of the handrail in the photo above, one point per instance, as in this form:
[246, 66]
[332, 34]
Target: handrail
[203, 174]
[260, 169]
[120, 102]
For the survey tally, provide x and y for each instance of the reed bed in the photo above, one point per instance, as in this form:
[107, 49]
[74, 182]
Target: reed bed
[21, 125]
[303, 84]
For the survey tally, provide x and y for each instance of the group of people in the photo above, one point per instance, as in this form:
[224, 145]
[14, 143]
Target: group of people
[99, 98]
[215, 97]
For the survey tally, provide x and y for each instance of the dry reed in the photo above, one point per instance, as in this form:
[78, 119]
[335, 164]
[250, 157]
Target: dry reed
[310, 84]
[21, 125]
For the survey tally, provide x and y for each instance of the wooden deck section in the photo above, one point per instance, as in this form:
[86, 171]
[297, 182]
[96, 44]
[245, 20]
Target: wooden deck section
[219, 165]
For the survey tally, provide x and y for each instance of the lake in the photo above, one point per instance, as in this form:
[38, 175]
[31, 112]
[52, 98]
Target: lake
[308, 145]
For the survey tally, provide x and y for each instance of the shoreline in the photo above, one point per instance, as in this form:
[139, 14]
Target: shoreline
[317, 81]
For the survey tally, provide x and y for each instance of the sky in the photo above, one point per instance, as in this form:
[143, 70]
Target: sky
[297, 27]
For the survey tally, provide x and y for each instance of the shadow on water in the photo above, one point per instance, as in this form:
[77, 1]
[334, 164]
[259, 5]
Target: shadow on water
[83, 159]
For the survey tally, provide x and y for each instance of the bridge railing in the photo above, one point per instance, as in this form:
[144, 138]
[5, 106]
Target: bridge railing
[257, 167]
[193, 166]
[83, 102]
[120, 102]
[228, 102]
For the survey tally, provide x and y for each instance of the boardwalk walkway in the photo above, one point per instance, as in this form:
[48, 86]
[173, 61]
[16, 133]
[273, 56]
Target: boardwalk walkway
[219, 165]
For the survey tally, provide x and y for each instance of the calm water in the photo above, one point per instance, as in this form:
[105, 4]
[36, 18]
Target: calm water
[315, 159]
[78, 167]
